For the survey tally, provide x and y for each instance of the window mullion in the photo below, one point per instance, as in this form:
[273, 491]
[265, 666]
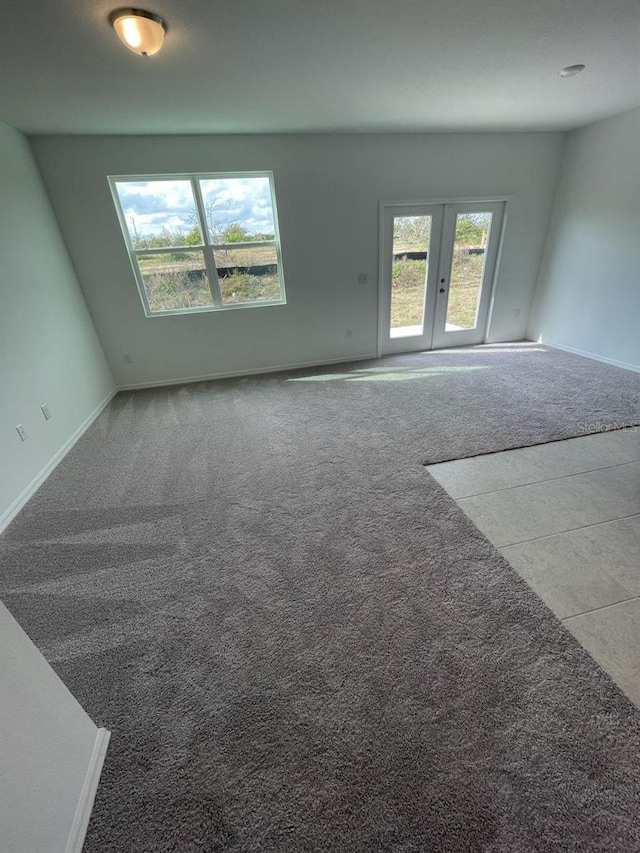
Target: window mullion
[165, 250]
[209, 259]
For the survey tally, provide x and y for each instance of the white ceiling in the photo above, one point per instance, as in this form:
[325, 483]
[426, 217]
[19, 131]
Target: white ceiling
[322, 65]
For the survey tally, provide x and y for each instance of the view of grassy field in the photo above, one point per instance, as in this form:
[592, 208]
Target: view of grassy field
[169, 282]
[244, 287]
[178, 279]
[407, 292]
[407, 299]
[412, 236]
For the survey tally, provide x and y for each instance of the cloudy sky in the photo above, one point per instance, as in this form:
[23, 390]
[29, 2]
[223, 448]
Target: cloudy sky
[151, 206]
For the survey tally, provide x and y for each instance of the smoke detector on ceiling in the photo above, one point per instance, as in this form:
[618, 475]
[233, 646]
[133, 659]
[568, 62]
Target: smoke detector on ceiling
[570, 70]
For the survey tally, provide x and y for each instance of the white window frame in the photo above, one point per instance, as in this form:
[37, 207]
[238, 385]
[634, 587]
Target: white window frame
[207, 248]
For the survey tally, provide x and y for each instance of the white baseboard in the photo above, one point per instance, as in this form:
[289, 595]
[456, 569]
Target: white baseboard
[14, 508]
[276, 368]
[88, 793]
[591, 355]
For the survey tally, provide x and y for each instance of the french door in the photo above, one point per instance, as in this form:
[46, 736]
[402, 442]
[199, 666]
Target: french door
[438, 265]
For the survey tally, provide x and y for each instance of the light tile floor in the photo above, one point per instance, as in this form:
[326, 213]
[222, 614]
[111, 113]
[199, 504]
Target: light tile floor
[567, 517]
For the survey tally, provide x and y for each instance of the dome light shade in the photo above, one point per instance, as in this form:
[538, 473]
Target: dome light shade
[140, 31]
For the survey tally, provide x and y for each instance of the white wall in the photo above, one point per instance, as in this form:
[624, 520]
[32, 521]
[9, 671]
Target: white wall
[49, 349]
[588, 295]
[47, 744]
[328, 190]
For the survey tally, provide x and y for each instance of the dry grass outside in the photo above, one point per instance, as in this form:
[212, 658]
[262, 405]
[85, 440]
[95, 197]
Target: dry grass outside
[244, 287]
[173, 282]
[407, 292]
[250, 257]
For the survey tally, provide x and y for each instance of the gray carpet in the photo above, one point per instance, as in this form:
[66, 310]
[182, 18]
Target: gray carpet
[298, 640]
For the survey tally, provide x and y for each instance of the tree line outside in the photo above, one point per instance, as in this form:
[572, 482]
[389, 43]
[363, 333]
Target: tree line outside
[234, 232]
[177, 279]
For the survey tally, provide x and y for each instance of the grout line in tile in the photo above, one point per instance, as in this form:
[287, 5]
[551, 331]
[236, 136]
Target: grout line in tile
[570, 530]
[604, 607]
[547, 535]
[540, 482]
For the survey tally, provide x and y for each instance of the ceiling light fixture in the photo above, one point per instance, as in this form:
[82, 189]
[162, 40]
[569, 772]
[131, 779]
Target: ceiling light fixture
[570, 70]
[140, 31]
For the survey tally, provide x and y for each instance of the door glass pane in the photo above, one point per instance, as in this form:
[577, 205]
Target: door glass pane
[175, 280]
[409, 268]
[249, 274]
[467, 270]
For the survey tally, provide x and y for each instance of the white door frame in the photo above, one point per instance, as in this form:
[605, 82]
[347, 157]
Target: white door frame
[406, 206]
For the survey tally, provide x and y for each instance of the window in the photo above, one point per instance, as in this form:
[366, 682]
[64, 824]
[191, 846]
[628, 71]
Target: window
[201, 242]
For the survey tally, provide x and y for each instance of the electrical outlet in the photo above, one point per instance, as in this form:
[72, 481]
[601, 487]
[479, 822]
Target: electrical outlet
[45, 411]
[516, 313]
[348, 333]
[362, 278]
[21, 432]
[127, 358]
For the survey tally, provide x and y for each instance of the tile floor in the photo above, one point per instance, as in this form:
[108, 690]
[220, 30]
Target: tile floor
[567, 517]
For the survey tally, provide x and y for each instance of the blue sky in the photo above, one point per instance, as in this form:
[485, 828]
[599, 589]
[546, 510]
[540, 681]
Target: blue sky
[158, 204]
